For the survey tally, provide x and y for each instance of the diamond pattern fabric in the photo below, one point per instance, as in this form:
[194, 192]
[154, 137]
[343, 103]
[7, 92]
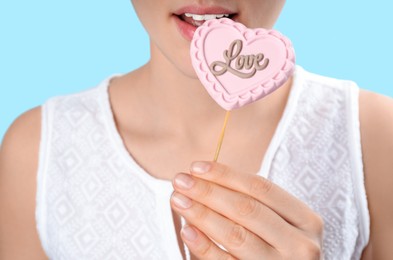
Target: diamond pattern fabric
[95, 202]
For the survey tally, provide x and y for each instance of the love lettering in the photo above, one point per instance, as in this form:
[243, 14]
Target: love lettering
[251, 63]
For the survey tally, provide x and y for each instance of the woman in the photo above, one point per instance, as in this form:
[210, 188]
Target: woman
[93, 170]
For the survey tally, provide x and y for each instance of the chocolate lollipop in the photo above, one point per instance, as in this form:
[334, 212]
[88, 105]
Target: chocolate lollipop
[238, 65]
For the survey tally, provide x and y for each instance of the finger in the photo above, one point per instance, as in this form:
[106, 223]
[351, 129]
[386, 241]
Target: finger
[242, 209]
[286, 205]
[239, 241]
[201, 246]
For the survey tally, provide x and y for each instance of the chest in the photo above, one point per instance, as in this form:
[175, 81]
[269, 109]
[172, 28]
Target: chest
[98, 202]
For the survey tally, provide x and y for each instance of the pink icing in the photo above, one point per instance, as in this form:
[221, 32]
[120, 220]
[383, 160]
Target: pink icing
[269, 55]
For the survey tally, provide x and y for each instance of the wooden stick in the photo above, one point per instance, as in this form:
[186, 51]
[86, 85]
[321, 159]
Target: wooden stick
[221, 139]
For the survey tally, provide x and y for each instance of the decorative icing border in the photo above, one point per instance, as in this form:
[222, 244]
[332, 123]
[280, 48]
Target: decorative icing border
[218, 93]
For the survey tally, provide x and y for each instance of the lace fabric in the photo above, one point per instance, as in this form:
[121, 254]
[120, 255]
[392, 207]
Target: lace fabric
[95, 202]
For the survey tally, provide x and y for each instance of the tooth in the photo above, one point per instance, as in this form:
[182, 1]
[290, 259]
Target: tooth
[210, 16]
[206, 17]
[198, 17]
[198, 23]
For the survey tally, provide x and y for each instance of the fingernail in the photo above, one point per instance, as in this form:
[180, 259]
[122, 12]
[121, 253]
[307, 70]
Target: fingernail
[181, 201]
[189, 233]
[184, 181]
[200, 167]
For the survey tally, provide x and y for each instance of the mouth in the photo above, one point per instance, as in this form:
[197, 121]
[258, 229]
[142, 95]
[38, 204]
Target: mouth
[188, 19]
[198, 19]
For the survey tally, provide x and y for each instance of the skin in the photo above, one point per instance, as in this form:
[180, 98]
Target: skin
[163, 90]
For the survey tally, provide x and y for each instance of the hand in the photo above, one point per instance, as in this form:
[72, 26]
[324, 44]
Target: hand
[248, 215]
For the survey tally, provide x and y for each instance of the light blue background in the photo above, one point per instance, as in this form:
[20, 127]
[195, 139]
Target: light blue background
[50, 48]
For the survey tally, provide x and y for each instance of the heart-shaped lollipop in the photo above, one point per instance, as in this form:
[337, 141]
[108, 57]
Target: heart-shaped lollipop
[238, 65]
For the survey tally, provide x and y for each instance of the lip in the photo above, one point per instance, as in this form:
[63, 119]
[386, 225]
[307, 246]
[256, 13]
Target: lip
[187, 30]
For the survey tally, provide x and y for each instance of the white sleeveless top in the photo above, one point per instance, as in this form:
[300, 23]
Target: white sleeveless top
[95, 202]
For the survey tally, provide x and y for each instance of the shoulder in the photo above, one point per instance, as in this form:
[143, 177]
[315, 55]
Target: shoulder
[21, 141]
[375, 108]
[22, 137]
[376, 123]
[376, 127]
[18, 167]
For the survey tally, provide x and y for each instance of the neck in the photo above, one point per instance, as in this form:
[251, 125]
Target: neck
[179, 103]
